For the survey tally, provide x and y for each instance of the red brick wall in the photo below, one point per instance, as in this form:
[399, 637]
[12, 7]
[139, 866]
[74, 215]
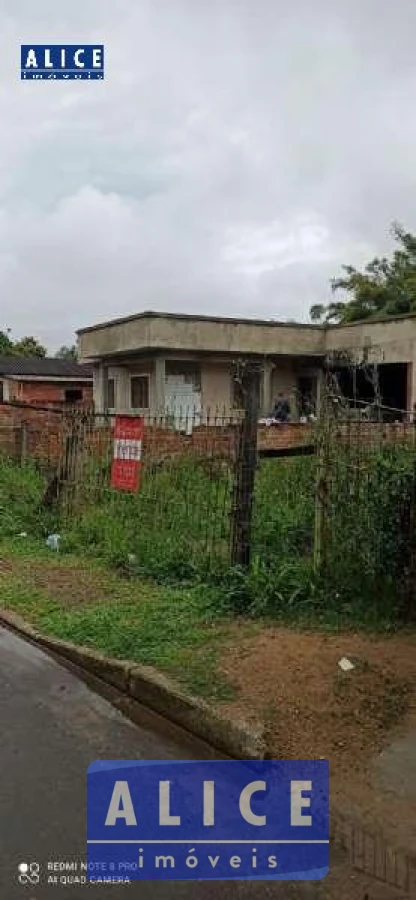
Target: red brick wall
[44, 393]
[221, 441]
[280, 437]
[8, 431]
[45, 433]
[39, 432]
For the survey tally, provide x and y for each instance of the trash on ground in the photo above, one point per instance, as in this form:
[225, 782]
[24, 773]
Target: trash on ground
[52, 541]
[345, 664]
[22, 534]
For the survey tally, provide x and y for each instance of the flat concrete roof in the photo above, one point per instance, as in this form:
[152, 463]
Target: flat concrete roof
[232, 320]
[236, 320]
[158, 332]
[373, 320]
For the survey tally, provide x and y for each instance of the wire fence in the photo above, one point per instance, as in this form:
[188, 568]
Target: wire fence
[216, 493]
[365, 503]
[333, 528]
[179, 522]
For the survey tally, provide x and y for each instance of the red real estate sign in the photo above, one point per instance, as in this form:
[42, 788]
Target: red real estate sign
[128, 442]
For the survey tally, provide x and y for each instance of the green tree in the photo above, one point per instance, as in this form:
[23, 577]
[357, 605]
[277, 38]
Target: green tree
[317, 312]
[67, 352]
[386, 287]
[6, 344]
[28, 346]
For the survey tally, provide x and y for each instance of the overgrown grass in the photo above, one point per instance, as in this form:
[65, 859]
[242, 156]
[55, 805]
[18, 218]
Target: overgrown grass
[177, 530]
[176, 527]
[179, 524]
[284, 510]
[21, 491]
[175, 630]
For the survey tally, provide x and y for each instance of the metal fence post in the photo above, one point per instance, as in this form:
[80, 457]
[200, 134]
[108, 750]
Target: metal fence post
[21, 442]
[249, 377]
[322, 482]
[24, 441]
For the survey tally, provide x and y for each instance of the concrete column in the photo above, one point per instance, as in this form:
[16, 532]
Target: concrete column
[6, 390]
[266, 388]
[100, 388]
[411, 386]
[159, 385]
[122, 389]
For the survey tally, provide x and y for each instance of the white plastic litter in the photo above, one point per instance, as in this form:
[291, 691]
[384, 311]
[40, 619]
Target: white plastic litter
[22, 534]
[345, 664]
[52, 541]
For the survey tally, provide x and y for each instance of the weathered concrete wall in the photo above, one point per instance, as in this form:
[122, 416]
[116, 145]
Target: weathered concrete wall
[193, 334]
[393, 341]
[216, 385]
[396, 338]
[121, 375]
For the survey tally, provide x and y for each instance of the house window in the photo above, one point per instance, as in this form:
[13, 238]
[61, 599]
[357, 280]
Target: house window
[1, 392]
[111, 393]
[73, 395]
[139, 392]
[184, 372]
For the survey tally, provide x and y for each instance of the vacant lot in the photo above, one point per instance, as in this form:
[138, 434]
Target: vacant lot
[178, 529]
[286, 678]
[147, 578]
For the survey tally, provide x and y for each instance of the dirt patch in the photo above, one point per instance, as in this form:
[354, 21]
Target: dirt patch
[65, 583]
[314, 710]
[310, 706]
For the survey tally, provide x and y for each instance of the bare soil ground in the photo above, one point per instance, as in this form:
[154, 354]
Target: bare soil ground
[292, 682]
[58, 578]
[312, 709]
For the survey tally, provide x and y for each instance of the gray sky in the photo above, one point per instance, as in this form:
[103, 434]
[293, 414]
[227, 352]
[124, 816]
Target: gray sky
[238, 152]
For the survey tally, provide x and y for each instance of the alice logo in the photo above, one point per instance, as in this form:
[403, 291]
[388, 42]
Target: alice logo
[121, 805]
[61, 61]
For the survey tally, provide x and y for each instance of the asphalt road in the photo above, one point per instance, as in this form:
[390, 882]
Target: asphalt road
[52, 727]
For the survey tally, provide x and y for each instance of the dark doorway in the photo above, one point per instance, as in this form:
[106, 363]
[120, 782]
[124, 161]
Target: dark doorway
[356, 385]
[73, 395]
[307, 386]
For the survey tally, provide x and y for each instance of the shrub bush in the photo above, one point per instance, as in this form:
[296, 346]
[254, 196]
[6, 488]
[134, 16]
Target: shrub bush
[21, 491]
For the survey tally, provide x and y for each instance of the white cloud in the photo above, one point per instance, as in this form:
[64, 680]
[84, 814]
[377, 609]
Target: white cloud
[235, 156]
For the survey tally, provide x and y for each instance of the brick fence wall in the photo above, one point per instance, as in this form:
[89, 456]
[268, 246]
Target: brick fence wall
[44, 393]
[35, 434]
[41, 435]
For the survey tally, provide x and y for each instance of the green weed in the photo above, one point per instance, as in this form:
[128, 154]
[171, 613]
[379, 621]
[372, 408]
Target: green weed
[177, 530]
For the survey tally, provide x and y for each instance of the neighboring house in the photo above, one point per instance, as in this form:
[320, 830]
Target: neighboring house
[163, 361]
[45, 382]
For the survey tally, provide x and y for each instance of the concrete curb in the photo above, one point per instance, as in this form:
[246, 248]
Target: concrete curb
[367, 852]
[149, 687]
